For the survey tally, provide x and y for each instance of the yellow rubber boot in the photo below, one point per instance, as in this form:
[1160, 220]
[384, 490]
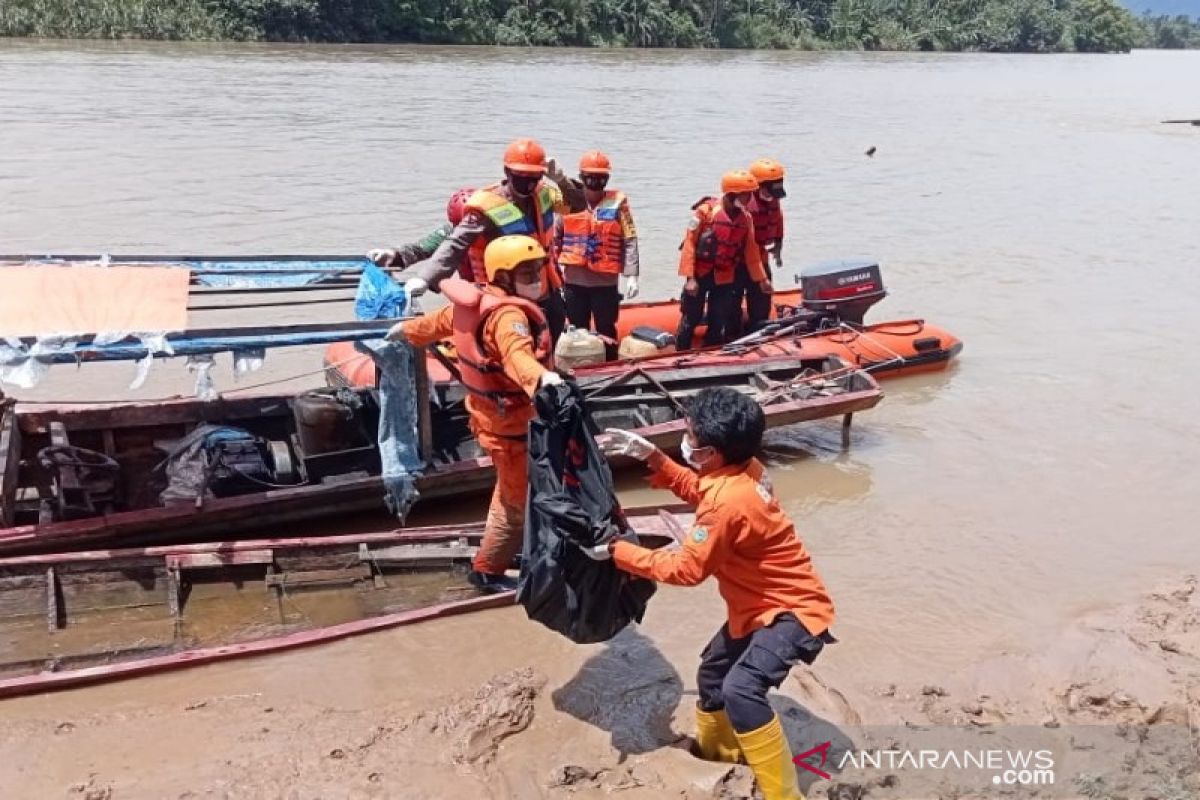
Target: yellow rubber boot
[715, 738]
[769, 756]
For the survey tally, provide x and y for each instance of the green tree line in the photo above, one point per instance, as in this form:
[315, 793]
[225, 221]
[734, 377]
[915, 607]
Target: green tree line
[977, 25]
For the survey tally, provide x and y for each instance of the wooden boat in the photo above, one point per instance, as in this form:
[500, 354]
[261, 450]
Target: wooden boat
[47, 504]
[69, 619]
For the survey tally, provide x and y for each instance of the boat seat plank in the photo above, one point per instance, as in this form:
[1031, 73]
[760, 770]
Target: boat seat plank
[219, 559]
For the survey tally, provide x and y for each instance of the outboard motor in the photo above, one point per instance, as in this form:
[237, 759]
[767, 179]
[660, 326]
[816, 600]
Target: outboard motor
[842, 291]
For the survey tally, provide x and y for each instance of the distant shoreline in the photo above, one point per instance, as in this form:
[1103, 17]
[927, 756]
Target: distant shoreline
[984, 26]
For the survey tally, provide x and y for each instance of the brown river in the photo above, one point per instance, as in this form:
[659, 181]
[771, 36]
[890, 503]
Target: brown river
[1033, 205]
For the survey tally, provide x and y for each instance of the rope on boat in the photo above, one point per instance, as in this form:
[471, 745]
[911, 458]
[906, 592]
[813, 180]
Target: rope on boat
[236, 389]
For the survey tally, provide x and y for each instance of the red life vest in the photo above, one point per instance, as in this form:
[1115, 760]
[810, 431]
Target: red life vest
[505, 217]
[768, 220]
[480, 373]
[721, 241]
[594, 238]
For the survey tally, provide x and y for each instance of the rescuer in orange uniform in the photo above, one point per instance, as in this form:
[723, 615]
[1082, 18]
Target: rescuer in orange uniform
[595, 247]
[766, 213]
[719, 241]
[779, 610]
[523, 203]
[504, 356]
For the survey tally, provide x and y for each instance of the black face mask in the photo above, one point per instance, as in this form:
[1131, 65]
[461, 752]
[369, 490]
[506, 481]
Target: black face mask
[776, 190]
[595, 182]
[523, 185]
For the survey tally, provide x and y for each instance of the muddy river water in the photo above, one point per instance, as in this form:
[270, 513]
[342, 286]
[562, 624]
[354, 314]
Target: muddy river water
[1033, 205]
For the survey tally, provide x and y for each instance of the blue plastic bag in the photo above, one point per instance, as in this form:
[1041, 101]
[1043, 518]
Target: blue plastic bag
[378, 297]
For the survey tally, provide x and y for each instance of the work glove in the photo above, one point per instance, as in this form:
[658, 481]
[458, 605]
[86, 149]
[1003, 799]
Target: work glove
[691, 286]
[382, 256]
[554, 171]
[600, 551]
[396, 333]
[415, 287]
[777, 257]
[550, 378]
[623, 443]
[631, 287]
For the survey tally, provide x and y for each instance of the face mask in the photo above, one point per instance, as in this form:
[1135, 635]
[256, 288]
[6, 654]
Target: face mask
[523, 185]
[689, 454]
[776, 190]
[530, 291]
[595, 182]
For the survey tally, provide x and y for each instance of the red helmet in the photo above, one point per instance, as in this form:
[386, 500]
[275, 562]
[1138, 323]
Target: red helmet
[458, 205]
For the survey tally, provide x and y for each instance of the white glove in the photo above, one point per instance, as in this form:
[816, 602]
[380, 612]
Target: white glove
[598, 552]
[623, 443]
[551, 378]
[396, 333]
[415, 287]
[631, 287]
[381, 255]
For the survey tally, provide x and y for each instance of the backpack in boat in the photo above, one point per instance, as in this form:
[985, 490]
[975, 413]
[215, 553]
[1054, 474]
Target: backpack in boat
[571, 501]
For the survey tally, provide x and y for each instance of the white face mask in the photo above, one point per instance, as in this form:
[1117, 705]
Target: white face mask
[689, 454]
[530, 291]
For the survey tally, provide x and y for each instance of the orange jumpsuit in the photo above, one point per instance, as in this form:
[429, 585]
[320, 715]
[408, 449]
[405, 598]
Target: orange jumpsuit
[741, 536]
[506, 337]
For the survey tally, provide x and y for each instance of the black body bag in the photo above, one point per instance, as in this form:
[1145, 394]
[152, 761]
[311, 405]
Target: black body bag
[571, 499]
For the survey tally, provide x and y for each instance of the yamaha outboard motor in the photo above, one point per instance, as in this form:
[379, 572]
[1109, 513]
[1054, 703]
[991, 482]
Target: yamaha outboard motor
[842, 291]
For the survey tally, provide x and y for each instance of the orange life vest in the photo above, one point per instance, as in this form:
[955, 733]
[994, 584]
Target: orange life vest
[721, 240]
[594, 238]
[480, 373]
[504, 217]
[768, 220]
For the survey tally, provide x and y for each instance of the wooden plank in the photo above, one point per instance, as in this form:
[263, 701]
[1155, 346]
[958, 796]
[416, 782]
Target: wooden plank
[35, 418]
[10, 461]
[53, 681]
[174, 590]
[319, 577]
[421, 555]
[424, 410]
[219, 559]
[53, 612]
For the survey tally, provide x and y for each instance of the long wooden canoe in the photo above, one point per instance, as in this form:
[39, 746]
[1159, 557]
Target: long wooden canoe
[37, 513]
[70, 619]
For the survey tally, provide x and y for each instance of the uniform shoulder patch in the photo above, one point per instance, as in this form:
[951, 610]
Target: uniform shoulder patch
[699, 534]
[693, 222]
[520, 329]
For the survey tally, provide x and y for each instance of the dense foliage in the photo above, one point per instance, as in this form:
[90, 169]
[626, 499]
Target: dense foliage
[982, 25]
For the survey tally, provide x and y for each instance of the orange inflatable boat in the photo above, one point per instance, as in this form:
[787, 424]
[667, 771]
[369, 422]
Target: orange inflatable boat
[823, 318]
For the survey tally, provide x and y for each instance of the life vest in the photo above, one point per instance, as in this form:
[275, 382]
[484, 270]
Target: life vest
[482, 374]
[768, 220]
[505, 217]
[594, 238]
[721, 241]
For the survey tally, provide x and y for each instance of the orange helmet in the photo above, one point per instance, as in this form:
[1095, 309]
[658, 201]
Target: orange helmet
[596, 162]
[737, 181]
[767, 169]
[525, 156]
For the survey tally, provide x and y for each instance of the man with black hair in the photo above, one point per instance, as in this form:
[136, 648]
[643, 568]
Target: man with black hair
[779, 609]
